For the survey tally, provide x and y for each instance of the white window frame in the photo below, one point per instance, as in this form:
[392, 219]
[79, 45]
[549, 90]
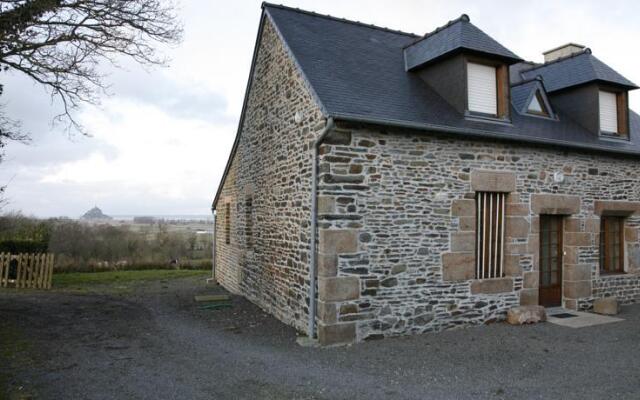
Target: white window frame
[482, 89]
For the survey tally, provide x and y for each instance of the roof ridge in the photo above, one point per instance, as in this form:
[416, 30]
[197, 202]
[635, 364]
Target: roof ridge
[557, 60]
[461, 18]
[522, 82]
[338, 19]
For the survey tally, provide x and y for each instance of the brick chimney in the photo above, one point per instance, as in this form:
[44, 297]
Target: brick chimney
[562, 51]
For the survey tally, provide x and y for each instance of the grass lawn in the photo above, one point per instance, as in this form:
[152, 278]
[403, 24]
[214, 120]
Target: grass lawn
[120, 279]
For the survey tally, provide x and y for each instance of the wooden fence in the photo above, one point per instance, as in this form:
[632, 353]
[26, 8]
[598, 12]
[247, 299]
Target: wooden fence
[26, 270]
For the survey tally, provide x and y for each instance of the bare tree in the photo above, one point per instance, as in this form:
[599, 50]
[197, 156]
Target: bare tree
[60, 43]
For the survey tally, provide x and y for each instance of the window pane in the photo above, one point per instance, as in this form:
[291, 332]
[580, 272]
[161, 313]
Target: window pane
[535, 106]
[554, 278]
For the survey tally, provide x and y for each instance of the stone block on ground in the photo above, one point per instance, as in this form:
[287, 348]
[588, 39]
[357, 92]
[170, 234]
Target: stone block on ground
[606, 306]
[526, 315]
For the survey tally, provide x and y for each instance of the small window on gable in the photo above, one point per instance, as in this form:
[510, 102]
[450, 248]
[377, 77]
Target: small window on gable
[537, 105]
[482, 89]
[613, 113]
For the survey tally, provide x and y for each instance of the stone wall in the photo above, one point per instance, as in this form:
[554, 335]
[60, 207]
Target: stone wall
[402, 206]
[268, 188]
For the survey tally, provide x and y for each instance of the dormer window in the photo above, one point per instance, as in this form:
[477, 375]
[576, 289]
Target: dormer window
[608, 113]
[487, 88]
[613, 113]
[482, 89]
[537, 105]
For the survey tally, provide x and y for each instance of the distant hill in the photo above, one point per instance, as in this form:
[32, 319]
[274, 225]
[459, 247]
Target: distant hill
[95, 214]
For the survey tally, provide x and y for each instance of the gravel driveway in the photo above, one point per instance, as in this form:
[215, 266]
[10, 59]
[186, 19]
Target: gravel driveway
[157, 344]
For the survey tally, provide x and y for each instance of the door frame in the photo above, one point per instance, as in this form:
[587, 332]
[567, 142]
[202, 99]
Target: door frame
[559, 287]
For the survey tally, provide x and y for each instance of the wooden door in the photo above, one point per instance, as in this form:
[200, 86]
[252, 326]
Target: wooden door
[550, 288]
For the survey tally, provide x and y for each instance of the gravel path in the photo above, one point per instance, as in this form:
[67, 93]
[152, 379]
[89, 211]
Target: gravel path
[157, 344]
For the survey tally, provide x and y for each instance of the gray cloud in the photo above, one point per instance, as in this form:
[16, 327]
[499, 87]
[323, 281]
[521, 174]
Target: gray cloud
[176, 99]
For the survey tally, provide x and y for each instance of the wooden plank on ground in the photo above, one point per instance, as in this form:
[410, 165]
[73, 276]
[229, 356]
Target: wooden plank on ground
[215, 306]
[213, 297]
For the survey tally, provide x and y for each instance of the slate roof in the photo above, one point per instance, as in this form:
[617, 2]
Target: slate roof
[357, 73]
[575, 70]
[459, 34]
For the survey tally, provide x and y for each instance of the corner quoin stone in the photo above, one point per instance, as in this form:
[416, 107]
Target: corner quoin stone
[337, 333]
[327, 265]
[339, 289]
[326, 204]
[338, 241]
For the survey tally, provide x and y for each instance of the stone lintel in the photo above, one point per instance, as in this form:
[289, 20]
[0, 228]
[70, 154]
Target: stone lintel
[493, 181]
[616, 207]
[338, 289]
[458, 266]
[492, 286]
[336, 333]
[555, 204]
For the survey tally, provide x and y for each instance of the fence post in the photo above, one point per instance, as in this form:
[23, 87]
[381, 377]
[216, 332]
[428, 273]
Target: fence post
[51, 257]
[3, 277]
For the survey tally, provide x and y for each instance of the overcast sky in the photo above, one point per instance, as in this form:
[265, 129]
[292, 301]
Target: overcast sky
[160, 142]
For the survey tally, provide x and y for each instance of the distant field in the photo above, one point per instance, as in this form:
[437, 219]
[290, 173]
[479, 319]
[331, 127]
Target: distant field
[84, 280]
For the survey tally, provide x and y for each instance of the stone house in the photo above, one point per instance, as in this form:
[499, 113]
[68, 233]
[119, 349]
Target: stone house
[424, 182]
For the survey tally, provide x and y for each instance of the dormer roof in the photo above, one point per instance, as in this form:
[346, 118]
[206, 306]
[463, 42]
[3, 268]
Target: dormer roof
[575, 70]
[457, 35]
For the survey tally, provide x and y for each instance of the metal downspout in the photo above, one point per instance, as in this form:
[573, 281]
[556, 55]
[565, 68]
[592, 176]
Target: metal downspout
[314, 222]
[213, 263]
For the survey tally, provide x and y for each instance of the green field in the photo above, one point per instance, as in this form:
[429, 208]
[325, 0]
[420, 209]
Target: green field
[84, 280]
